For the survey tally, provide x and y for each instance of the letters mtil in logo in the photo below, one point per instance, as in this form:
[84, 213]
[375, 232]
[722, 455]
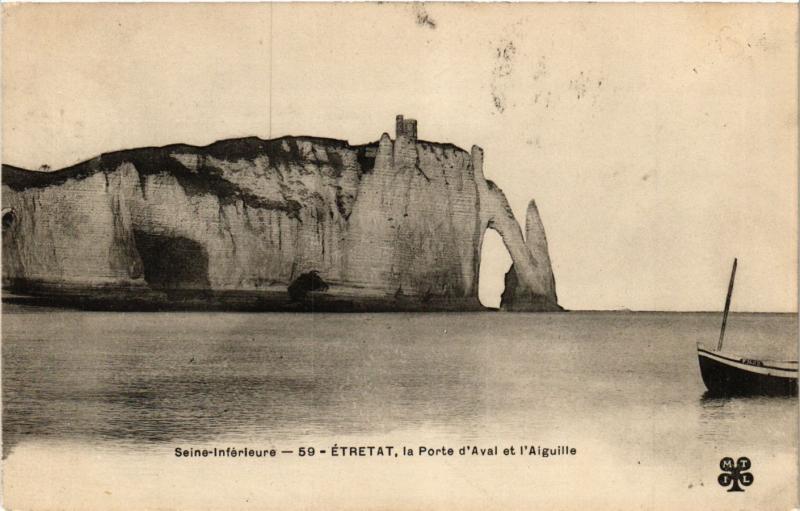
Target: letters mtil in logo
[735, 474]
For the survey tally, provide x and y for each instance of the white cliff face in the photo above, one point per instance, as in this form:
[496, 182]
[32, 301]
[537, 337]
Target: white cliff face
[413, 229]
[399, 222]
[78, 233]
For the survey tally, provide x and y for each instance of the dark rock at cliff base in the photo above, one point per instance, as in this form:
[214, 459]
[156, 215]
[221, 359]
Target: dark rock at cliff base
[516, 298]
[304, 284]
[251, 224]
[519, 295]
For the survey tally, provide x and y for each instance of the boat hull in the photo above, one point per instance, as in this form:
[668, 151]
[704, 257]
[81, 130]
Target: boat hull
[730, 375]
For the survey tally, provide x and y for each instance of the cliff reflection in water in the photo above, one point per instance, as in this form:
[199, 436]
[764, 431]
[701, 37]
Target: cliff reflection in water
[151, 380]
[109, 377]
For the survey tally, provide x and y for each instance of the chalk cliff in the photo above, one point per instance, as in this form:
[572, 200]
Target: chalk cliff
[294, 222]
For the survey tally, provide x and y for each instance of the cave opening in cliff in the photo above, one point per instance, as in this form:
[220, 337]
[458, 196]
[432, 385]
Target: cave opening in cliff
[494, 263]
[9, 218]
[172, 263]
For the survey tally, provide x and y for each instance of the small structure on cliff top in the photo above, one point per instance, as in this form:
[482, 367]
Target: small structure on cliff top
[406, 128]
[244, 223]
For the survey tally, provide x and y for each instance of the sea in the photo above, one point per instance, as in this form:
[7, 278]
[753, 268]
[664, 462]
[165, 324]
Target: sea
[576, 410]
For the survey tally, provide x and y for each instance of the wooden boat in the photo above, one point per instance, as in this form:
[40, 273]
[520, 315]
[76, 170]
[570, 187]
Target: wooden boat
[726, 373]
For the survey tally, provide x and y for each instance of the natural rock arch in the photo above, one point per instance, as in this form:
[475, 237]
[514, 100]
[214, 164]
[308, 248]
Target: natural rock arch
[532, 286]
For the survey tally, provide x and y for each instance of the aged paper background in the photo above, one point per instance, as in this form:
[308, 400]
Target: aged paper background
[658, 140]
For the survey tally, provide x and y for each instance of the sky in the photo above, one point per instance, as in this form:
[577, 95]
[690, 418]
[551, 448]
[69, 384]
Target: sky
[659, 141]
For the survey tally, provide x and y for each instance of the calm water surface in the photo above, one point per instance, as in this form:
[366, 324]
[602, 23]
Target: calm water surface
[623, 388]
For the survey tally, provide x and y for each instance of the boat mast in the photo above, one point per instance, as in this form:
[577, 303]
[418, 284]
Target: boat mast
[727, 306]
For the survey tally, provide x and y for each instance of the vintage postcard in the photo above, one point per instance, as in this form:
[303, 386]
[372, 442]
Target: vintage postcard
[403, 256]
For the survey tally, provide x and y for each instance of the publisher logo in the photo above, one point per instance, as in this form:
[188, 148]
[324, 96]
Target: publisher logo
[735, 474]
